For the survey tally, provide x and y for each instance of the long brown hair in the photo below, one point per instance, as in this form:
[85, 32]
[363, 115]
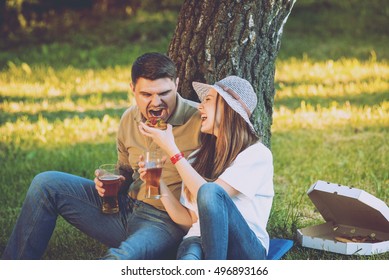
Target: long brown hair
[216, 154]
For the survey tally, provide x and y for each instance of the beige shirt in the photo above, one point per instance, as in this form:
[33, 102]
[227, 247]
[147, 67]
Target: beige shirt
[131, 144]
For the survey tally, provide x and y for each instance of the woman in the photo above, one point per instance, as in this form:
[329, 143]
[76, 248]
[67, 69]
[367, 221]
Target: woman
[228, 188]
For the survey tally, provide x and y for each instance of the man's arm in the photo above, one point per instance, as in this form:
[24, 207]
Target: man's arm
[126, 171]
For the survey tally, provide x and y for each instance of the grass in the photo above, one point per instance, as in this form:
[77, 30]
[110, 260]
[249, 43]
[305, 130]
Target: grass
[62, 97]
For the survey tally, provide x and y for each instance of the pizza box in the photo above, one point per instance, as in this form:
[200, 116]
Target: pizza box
[356, 222]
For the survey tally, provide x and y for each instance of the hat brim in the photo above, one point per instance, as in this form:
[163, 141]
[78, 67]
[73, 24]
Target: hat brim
[203, 89]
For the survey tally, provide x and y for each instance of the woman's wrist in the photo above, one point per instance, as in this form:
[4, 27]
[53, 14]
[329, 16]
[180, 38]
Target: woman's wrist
[177, 157]
[173, 151]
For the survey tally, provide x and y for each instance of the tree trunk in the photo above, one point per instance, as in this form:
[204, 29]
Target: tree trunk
[217, 38]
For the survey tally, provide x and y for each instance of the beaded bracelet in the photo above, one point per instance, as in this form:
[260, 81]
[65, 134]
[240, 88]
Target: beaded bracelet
[177, 157]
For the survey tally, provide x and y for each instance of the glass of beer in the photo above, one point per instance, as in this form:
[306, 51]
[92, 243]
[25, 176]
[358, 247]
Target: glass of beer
[153, 165]
[110, 177]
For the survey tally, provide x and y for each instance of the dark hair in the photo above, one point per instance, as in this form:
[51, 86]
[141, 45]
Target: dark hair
[153, 66]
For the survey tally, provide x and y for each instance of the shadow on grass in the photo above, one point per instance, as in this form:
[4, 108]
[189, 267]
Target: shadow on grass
[89, 41]
[68, 243]
[60, 115]
[23, 164]
[74, 97]
[15, 177]
[360, 100]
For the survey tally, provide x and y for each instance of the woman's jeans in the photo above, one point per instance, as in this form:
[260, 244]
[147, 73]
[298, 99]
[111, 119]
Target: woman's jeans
[224, 232]
[138, 231]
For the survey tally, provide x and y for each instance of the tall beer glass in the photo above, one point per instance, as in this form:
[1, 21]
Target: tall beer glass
[110, 177]
[153, 164]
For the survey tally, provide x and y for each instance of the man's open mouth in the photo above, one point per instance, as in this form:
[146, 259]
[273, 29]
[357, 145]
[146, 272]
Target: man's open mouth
[156, 112]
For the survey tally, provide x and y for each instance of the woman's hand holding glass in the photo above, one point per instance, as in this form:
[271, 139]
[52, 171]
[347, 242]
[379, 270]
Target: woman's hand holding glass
[153, 181]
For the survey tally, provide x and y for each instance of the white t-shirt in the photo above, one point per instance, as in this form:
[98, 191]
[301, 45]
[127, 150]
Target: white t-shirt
[252, 175]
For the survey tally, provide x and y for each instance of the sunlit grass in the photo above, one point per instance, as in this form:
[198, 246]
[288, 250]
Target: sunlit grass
[95, 102]
[44, 81]
[345, 77]
[331, 122]
[45, 90]
[334, 116]
[51, 134]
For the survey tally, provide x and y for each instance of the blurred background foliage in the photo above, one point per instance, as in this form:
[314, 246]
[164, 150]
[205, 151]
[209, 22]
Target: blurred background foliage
[40, 16]
[117, 22]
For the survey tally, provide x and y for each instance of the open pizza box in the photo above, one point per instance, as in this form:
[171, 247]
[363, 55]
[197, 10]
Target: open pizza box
[356, 221]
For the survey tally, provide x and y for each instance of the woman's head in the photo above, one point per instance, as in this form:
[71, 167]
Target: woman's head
[225, 109]
[219, 119]
[235, 92]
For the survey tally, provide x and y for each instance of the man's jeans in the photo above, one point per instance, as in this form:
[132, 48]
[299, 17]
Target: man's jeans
[139, 231]
[224, 232]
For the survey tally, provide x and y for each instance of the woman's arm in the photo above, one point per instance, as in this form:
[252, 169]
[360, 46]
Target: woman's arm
[165, 139]
[176, 211]
[190, 177]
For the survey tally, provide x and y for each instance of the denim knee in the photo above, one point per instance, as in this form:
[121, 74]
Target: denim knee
[42, 181]
[190, 249]
[209, 193]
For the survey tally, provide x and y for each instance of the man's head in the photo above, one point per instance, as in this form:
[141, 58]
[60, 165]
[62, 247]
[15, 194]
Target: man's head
[154, 83]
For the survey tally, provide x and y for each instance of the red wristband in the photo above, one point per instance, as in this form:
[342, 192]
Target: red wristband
[177, 157]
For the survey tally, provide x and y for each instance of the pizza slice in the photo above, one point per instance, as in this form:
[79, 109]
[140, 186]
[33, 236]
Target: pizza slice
[156, 123]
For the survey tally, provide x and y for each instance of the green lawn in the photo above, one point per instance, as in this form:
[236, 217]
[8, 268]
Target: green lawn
[61, 99]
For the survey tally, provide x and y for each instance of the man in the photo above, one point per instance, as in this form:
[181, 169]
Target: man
[142, 229]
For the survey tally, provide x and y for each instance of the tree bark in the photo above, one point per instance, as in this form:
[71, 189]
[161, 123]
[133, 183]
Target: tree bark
[214, 39]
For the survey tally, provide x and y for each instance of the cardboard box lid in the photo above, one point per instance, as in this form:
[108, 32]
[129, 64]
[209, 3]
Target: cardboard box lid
[349, 206]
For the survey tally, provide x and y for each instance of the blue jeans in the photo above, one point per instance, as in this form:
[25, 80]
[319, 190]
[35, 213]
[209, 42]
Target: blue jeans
[224, 232]
[138, 231]
[190, 249]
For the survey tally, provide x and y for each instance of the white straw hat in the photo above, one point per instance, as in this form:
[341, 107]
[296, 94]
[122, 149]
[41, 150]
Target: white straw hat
[236, 92]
